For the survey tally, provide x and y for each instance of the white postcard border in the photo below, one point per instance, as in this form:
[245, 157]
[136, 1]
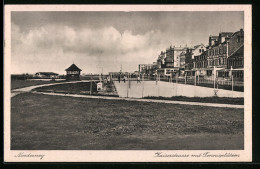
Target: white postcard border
[129, 155]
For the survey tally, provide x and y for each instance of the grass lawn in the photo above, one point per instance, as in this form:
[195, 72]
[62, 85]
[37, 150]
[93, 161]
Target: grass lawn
[74, 88]
[221, 100]
[16, 84]
[77, 88]
[42, 122]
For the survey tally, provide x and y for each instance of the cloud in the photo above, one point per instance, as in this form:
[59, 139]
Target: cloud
[43, 47]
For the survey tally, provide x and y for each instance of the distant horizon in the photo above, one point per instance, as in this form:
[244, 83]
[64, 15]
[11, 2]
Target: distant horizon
[52, 41]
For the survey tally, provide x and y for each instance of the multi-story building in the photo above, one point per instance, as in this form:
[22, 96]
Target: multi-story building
[213, 40]
[178, 51]
[169, 60]
[182, 59]
[142, 68]
[236, 54]
[200, 64]
[223, 53]
[188, 59]
[191, 53]
[146, 69]
[161, 60]
[217, 53]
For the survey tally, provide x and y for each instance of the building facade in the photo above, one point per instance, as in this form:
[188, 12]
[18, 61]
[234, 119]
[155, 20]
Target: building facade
[73, 72]
[223, 56]
[201, 64]
[236, 55]
[169, 60]
[190, 55]
[46, 75]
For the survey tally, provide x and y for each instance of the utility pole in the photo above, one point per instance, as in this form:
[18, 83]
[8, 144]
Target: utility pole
[90, 84]
[129, 79]
[185, 77]
[232, 85]
[195, 77]
[176, 83]
[98, 66]
[156, 77]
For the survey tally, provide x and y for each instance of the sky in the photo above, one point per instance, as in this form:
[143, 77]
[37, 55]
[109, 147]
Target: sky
[52, 41]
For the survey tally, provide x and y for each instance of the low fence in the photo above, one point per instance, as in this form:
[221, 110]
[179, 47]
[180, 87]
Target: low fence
[218, 83]
[147, 88]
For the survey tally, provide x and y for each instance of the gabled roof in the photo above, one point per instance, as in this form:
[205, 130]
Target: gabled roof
[47, 73]
[73, 67]
[239, 51]
[214, 37]
[241, 30]
[226, 34]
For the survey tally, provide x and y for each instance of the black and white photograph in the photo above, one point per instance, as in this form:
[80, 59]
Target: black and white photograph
[128, 83]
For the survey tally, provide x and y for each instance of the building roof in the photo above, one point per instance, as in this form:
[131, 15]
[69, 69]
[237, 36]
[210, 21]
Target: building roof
[213, 37]
[239, 51]
[47, 73]
[226, 34]
[241, 30]
[73, 67]
[195, 47]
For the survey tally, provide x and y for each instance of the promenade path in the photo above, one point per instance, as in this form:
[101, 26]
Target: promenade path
[29, 89]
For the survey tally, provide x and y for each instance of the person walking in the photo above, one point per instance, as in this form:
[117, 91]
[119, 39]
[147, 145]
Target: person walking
[138, 79]
[124, 79]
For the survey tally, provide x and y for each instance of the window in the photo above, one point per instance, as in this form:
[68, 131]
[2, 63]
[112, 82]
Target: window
[221, 50]
[225, 50]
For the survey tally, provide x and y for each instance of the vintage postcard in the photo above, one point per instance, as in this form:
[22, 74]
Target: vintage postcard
[128, 83]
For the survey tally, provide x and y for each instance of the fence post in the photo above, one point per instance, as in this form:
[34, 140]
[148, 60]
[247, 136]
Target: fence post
[142, 86]
[185, 77]
[214, 80]
[129, 80]
[127, 88]
[232, 83]
[195, 78]
[90, 92]
[158, 88]
[176, 84]
[156, 79]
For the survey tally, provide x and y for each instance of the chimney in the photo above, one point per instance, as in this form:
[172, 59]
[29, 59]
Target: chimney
[227, 49]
